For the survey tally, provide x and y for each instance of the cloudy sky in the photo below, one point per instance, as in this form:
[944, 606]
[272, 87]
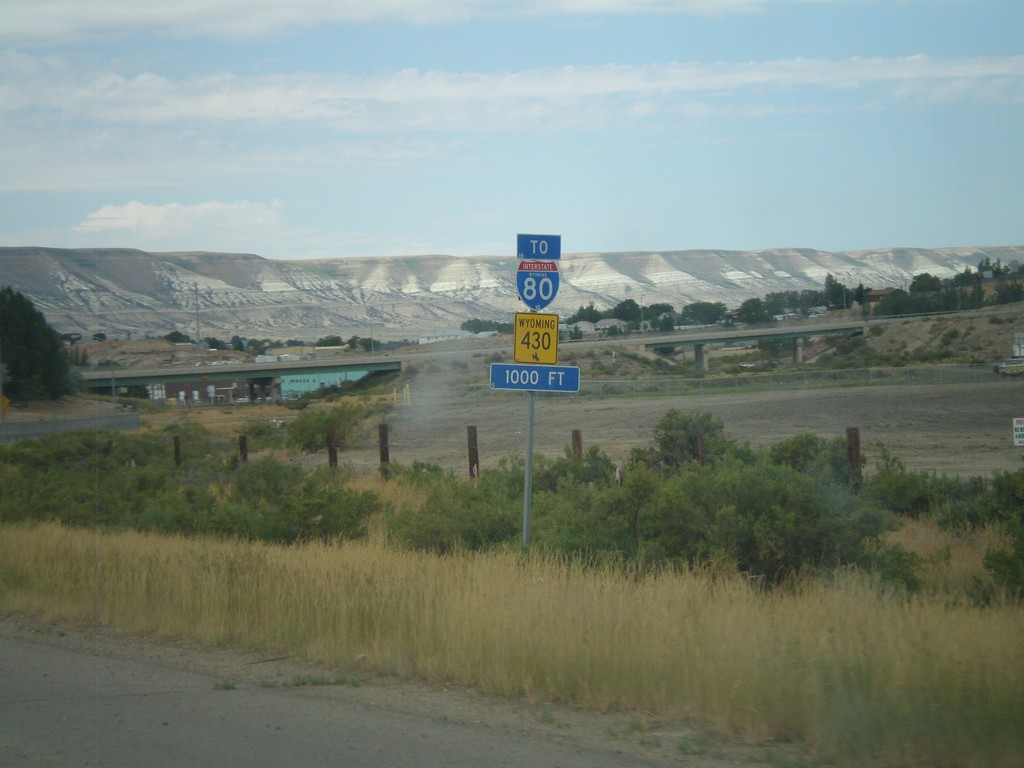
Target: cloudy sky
[337, 128]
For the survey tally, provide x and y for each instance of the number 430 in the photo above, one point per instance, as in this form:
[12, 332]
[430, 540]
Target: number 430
[536, 340]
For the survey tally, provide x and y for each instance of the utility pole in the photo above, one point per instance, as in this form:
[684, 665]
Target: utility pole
[3, 403]
[195, 287]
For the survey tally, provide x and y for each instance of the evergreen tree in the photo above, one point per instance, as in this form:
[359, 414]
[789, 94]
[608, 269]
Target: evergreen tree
[34, 364]
[627, 310]
[925, 283]
[754, 311]
[835, 292]
[705, 312]
[588, 313]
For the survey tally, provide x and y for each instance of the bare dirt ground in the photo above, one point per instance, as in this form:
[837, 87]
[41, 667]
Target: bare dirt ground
[955, 429]
[67, 409]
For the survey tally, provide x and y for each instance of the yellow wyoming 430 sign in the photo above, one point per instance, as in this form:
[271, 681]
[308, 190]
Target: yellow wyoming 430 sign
[536, 339]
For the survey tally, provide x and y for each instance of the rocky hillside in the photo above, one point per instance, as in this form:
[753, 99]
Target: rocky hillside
[123, 292]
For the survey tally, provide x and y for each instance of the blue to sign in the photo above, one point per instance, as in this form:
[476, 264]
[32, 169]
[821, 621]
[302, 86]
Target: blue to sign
[537, 283]
[535, 378]
[539, 247]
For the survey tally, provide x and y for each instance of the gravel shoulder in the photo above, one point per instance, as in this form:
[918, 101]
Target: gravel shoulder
[84, 696]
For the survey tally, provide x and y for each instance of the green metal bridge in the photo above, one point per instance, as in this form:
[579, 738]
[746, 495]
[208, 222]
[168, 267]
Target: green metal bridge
[110, 379]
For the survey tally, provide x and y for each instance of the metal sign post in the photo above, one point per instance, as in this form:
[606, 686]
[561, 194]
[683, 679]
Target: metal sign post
[531, 379]
[536, 341]
[528, 471]
[3, 399]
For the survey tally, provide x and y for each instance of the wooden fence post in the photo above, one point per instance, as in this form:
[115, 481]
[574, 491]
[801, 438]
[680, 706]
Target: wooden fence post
[243, 448]
[853, 448]
[474, 452]
[577, 444]
[332, 448]
[382, 438]
[177, 451]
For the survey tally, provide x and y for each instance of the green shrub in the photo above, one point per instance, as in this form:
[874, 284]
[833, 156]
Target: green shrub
[318, 507]
[131, 481]
[1007, 567]
[815, 455]
[680, 438]
[309, 430]
[594, 467]
[456, 514]
[770, 520]
[1005, 503]
[962, 503]
[264, 433]
[894, 565]
[906, 493]
[418, 472]
[596, 517]
[266, 480]
[771, 513]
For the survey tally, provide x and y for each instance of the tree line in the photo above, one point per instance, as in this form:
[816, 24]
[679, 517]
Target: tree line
[33, 365]
[926, 293]
[38, 363]
[966, 290]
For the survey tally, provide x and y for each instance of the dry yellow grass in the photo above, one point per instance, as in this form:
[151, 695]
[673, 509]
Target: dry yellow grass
[951, 560]
[859, 675]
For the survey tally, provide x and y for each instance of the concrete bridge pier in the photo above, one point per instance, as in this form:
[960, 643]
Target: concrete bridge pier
[698, 357]
[263, 387]
[798, 350]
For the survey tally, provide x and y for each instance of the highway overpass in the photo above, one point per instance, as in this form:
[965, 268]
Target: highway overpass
[264, 374]
[796, 334]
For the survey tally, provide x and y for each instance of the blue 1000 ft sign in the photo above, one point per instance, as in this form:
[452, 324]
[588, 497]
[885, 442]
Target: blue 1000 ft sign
[535, 378]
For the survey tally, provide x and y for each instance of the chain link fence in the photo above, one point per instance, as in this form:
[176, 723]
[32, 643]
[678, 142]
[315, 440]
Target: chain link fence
[12, 431]
[790, 380]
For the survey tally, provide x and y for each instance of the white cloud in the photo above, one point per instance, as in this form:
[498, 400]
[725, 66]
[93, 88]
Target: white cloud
[50, 19]
[571, 96]
[158, 222]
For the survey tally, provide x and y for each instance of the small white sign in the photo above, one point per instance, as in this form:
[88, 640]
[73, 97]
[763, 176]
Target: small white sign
[1018, 432]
